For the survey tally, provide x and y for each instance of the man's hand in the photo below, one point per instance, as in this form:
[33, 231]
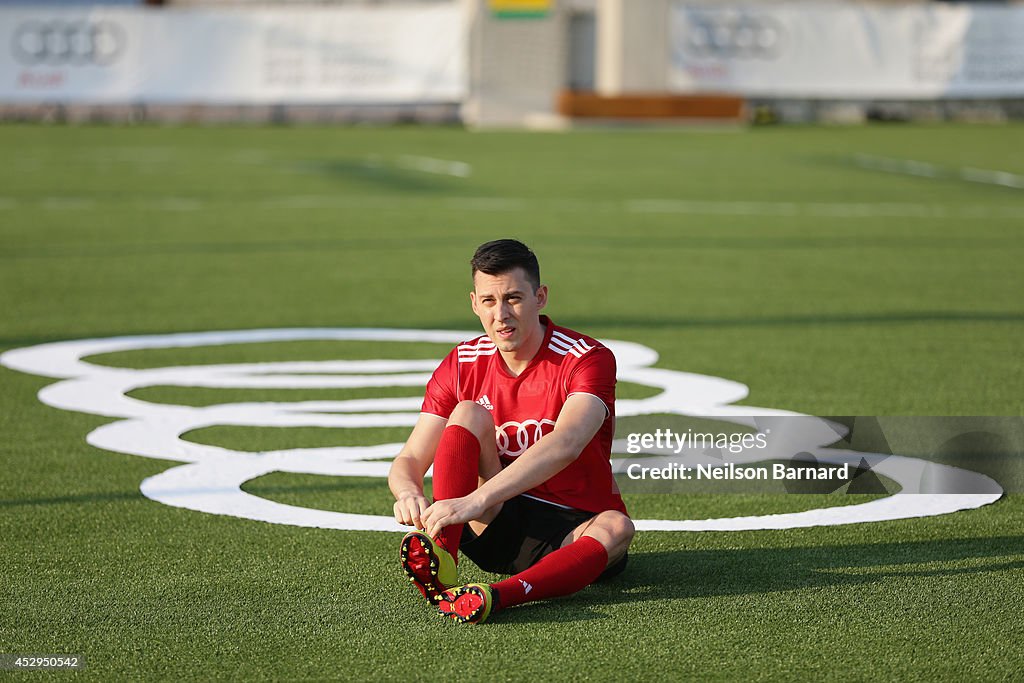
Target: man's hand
[452, 511]
[409, 509]
[405, 479]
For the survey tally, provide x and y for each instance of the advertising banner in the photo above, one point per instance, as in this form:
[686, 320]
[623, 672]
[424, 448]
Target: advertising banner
[314, 55]
[840, 50]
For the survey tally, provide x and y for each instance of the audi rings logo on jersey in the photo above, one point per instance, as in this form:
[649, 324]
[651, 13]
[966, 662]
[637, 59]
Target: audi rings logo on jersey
[62, 43]
[513, 438]
[722, 36]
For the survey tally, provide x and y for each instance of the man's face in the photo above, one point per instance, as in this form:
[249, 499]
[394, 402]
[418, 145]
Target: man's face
[508, 308]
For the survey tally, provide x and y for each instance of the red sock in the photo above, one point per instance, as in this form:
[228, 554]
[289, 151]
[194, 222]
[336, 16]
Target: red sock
[564, 571]
[456, 467]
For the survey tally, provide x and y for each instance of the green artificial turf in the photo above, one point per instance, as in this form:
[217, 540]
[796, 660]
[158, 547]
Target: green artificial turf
[768, 256]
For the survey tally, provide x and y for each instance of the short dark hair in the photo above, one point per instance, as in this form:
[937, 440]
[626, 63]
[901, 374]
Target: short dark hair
[501, 256]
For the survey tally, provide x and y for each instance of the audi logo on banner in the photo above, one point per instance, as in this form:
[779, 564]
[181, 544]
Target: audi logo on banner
[730, 36]
[62, 43]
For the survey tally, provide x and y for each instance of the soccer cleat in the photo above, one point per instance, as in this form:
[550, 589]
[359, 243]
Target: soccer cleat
[429, 566]
[469, 604]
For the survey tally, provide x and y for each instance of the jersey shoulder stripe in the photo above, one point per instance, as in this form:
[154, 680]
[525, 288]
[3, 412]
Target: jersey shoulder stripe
[470, 351]
[476, 344]
[563, 344]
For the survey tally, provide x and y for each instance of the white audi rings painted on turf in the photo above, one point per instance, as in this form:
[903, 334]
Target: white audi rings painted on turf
[211, 477]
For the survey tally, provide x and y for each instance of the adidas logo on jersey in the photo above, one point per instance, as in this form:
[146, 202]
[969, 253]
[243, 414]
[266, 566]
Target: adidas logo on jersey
[527, 586]
[485, 402]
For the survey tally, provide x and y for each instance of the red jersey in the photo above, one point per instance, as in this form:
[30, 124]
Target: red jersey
[526, 407]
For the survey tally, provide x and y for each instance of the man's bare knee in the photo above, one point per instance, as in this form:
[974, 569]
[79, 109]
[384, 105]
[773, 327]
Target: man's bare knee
[619, 527]
[474, 417]
[612, 529]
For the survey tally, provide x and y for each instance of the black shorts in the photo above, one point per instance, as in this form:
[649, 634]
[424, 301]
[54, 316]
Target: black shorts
[524, 531]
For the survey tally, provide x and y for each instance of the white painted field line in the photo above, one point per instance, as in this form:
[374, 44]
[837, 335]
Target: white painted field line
[176, 204]
[67, 203]
[307, 202]
[981, 175]
[904, 166]
[251, 156]
[854, 210]
[661, 206]
[737, 208]
[693, 207]
[824, 209]
[458, 169]
[488, 203]
[926, 170]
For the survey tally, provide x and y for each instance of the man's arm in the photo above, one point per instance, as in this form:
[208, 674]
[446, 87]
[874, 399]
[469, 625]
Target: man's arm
[580, 419]
[406, 476]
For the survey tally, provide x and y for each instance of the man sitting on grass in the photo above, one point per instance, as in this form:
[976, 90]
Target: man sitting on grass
[518, 424]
